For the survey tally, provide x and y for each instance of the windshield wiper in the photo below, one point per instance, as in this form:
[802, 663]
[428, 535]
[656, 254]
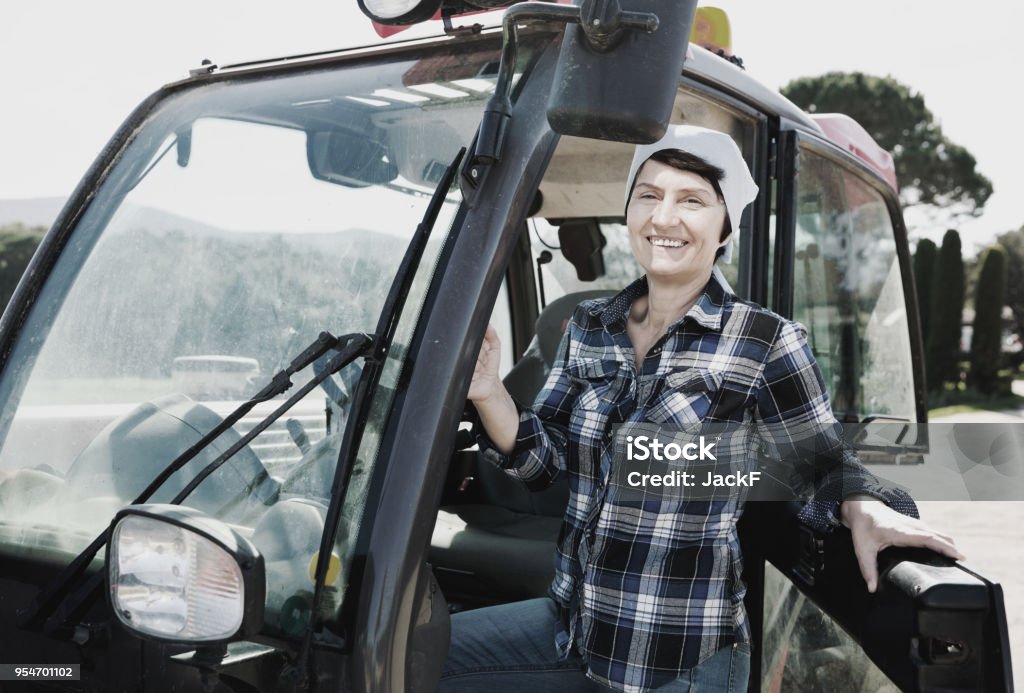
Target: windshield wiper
[349, 348]
[295, 676]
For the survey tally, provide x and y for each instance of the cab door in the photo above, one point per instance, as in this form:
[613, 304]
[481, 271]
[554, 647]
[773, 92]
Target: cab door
[841, 266]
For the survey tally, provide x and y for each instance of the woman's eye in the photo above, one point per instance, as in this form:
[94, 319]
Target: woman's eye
[693, 202]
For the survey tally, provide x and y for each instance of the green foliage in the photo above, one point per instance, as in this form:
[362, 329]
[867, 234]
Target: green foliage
[17, 244]
[924, 266]
[987, 336]
[148, 297]
[1013, 244]
[947, 305]
[931, 169]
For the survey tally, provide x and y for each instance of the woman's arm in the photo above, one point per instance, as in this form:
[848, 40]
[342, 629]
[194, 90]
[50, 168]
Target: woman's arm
[530, 445]
[793, 404]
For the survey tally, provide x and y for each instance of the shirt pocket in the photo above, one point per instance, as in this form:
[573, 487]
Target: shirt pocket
[685, 397]
[596, 381]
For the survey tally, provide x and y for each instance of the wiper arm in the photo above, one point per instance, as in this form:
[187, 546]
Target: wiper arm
[49, 598]
[356, 345]
[296, 675]
[279, 384]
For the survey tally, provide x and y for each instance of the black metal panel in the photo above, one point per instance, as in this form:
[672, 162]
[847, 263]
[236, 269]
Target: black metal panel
[419, 438]
[785, 221]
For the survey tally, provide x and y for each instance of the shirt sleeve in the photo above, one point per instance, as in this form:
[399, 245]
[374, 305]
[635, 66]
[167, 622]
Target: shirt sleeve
[797, 421]
[539, 455]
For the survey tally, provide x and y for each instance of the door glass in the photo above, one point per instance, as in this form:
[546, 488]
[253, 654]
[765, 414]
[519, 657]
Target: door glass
[805, 650]
[848, 292]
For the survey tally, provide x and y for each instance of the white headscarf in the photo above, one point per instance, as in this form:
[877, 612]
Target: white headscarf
[716, 148]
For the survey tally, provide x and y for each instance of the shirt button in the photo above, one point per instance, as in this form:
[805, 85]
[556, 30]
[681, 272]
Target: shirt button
[656, 351]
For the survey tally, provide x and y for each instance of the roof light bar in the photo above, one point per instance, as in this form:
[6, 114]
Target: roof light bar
[399, 11]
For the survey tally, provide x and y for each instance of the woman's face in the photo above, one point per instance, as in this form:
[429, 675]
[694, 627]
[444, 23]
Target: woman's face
[675, 221]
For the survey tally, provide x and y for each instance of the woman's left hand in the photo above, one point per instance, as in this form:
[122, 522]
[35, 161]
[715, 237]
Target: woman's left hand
[876, 526]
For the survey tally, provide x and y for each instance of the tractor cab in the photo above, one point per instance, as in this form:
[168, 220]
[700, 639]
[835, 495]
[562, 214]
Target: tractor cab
[234, 440]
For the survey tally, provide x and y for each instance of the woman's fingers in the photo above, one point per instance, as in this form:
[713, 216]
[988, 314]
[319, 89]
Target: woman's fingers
[867, 560]
[880, 527]
[927, 538]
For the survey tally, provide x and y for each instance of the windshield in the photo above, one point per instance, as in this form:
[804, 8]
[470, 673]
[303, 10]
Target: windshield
[244, 218]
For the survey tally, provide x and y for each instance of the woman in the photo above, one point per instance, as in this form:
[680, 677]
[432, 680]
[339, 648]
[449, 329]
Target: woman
[648, 595]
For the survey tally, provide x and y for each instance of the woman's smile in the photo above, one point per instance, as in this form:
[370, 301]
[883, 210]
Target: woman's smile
[663, 242]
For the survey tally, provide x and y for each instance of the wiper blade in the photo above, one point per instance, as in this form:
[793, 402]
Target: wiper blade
[279, 384]
[296, 675]
[356, 345]
[50, 597]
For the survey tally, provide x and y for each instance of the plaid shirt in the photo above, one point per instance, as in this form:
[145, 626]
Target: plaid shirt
[650, 589]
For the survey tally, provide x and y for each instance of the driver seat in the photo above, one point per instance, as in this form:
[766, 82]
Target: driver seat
[505, 545]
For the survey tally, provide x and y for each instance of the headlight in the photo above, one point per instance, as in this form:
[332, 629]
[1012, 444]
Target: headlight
[178, 575]
[399, 11]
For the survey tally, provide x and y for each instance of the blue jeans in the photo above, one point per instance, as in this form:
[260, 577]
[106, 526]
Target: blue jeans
[511, 647]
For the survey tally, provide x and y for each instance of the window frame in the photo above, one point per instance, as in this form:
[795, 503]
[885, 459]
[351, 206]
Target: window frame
[793, 139]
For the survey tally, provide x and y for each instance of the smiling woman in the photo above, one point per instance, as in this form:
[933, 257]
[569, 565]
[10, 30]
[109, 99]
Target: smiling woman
[649, 595]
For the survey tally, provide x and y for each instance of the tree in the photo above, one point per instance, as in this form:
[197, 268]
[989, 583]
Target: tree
[1013, 243]
[17, 245]
[987, 334]
[924, 265]
[947, 305]
[932, 170]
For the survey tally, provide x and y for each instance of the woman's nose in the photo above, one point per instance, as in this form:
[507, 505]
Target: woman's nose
[665, 214]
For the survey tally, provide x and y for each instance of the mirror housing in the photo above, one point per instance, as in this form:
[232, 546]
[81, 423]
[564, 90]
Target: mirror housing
[622, 84]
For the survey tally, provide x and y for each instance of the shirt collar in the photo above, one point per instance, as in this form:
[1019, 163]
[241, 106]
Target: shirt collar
[707, 311]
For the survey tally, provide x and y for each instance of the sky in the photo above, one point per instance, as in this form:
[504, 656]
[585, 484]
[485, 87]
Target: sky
[71, 71]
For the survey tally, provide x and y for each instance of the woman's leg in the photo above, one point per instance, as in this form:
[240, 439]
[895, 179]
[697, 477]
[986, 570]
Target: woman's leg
[510, 647]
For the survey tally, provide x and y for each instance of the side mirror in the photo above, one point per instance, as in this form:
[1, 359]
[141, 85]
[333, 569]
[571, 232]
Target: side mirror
[617, 73]
[349, 158]
[613, 83]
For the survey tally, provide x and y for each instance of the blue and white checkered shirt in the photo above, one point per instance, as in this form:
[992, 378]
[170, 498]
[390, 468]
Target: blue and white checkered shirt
[650, 589]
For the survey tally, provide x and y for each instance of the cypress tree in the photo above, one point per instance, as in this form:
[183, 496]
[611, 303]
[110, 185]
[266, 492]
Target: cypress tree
[986, 342]
[947, 305]
[924, 265]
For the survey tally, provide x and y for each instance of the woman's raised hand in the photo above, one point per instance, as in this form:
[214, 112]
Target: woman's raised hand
[486, 385]
[498, 412]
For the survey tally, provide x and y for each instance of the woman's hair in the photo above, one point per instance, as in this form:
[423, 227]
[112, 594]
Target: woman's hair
[684, 161]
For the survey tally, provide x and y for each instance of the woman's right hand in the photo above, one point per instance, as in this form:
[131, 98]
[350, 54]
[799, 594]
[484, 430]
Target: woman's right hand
[486, 385]
[498, 413]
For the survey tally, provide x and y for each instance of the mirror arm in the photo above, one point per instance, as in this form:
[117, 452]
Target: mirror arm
[603, 23]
